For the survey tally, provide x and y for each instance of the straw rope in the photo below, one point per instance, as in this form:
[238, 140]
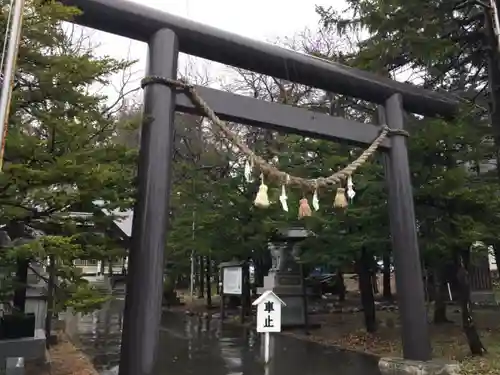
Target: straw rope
[265, 167]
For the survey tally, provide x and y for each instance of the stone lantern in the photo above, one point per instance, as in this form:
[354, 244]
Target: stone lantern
[285, 277]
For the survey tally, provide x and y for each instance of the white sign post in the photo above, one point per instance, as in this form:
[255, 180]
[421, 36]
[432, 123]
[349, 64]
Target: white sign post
[268, 317]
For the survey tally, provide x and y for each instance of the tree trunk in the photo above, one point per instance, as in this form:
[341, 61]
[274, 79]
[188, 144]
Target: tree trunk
[19, 300]
[259, 272]
[196, 270]
[217, 279]
[201, 290]
[470, 330]
[440, 298]
[50, 299]
[366, 290]
[375, 282]
[16, 230]
[341, 283]
[208, 275]
[387, 290]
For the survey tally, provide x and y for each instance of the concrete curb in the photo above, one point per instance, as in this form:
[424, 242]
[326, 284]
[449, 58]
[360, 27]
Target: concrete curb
[400, 366]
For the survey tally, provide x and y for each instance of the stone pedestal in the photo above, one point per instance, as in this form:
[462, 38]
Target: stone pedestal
[285, 277]
[289, 288]
[36, 295]
[36, 303]
[27, 348]
[400, 366]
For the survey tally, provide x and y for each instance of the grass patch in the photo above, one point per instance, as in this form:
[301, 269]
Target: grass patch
[489, 364]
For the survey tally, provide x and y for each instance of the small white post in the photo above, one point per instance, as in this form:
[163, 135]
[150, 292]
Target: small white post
[268, 319]
[449, 292]
[267, 349]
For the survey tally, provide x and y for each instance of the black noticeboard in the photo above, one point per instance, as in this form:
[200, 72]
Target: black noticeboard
[235, 280]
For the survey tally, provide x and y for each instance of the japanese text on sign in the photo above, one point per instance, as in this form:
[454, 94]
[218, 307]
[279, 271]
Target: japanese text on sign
[268, 313]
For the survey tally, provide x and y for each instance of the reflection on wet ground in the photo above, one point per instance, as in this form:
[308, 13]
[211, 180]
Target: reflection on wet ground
[193, 345]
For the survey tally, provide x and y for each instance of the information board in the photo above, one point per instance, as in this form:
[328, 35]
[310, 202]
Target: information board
[232, 280]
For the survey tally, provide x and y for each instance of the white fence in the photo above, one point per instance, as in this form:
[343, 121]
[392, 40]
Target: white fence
[97, 267]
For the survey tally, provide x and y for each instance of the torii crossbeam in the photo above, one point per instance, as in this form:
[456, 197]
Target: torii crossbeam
[167, 35]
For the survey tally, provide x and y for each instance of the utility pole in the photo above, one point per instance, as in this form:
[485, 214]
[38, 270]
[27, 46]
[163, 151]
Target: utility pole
[492, 30]
[14, 37]
[495, 22]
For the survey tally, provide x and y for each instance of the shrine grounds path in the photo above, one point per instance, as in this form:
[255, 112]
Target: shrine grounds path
[196, 345]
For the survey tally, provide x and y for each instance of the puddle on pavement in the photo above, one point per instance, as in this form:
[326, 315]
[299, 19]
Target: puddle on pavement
[195, 346]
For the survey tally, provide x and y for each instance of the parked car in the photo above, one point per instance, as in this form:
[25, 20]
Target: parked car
[321, 282]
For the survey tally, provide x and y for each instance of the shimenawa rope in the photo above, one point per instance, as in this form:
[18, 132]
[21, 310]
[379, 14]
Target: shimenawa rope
[265, 167]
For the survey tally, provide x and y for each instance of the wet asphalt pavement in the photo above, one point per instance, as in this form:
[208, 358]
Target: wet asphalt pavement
[200, 346]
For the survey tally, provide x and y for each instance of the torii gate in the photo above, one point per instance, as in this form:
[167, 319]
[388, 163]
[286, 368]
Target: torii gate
[167, 35]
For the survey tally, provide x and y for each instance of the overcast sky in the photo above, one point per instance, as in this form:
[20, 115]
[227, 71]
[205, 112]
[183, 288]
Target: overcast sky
[264, 20]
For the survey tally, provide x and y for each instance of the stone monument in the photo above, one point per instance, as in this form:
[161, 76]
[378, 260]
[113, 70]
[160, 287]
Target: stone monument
[285, 277]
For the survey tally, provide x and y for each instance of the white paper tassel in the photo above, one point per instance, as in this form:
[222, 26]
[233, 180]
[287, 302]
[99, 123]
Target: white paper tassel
[262, 200]
[350, 188]
[248, 172]
[283, 199]
[315, 201]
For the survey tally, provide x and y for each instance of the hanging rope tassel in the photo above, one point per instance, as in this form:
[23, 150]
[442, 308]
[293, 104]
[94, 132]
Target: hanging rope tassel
[248, 172]
[340, 199]
[304, 209]
[262, 199]
[284, 198]
[315, 201]
[350, 189]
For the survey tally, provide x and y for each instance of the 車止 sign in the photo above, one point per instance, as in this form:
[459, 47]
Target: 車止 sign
[269, 312]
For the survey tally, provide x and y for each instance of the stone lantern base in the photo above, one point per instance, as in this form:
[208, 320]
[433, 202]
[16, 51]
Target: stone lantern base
[285, 278]
[290, 289]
